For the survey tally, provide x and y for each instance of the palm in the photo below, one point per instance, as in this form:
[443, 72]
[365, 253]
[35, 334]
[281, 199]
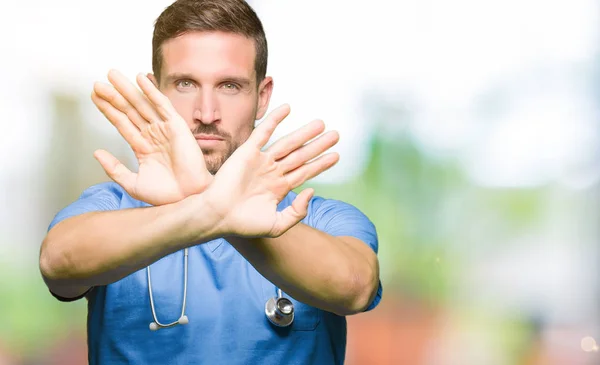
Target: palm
[171, 164]
[250, 184]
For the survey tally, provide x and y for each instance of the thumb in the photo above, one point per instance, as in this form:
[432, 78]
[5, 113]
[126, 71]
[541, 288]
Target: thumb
[293, 214]
[116, 170]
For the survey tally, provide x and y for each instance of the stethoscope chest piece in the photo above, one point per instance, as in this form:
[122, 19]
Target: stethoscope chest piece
[280, 311]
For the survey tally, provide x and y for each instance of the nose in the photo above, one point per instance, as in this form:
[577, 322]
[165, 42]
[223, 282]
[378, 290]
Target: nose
[206, 110]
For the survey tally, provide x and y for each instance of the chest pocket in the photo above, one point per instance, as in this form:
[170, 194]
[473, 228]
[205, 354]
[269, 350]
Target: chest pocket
[306, 317]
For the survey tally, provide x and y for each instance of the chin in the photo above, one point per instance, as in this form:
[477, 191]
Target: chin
[213, 162]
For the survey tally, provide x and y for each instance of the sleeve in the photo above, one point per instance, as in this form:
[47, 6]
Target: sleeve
[101, 197]
[342, 219]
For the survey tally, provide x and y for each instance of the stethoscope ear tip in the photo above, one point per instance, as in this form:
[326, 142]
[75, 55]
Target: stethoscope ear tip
[183, 320]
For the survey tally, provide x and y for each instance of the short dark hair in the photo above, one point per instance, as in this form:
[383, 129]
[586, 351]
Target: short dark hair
[233, 16]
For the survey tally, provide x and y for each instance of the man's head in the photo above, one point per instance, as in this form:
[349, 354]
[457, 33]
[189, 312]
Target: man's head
[209, 57]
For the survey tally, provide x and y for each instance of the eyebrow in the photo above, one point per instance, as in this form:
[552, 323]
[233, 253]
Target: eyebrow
[244, 81]
[177, 76]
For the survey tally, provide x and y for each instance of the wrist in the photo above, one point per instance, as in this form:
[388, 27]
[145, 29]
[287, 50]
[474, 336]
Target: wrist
[202, 186]
[205, 223]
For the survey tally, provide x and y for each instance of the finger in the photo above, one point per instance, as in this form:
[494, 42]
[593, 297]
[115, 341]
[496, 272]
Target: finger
[309, 151]
[293, 214]
[309, 170]
[161, 103]
[116, 170]
[126, 128]
[110, 94]
[261, 134]
[133, 96]
[296, 139]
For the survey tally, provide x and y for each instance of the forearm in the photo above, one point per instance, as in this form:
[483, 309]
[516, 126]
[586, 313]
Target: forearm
[316, 268]
[99, 248]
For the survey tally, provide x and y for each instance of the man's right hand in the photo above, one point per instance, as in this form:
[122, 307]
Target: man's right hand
[171, 164]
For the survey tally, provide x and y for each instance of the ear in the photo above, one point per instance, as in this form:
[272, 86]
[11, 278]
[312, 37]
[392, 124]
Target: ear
[264, 96]
[153, 79]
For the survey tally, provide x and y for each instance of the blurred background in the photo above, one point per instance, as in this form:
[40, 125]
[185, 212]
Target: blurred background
[469, 135]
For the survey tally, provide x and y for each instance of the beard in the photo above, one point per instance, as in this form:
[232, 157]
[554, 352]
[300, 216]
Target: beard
[215, 158]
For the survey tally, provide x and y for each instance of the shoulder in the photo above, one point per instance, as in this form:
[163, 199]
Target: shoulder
[325, 205]
[332, 211]
[320, 205]
[337, 218]
[103, 189]
[100, 197]
[113, 192]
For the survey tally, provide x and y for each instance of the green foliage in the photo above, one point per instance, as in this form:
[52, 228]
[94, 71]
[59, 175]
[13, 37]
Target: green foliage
[31, 315]
[426, 211]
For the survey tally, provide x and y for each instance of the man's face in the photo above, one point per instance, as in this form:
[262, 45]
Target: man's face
[211, 81]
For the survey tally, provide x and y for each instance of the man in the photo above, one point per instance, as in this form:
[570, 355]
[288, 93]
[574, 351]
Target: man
[182, 261]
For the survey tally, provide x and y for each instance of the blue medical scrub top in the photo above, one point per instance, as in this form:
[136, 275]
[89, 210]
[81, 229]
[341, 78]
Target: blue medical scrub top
[226, 300]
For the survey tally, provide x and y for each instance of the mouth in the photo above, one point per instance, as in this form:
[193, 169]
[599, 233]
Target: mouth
[207, 137]
[209, 142]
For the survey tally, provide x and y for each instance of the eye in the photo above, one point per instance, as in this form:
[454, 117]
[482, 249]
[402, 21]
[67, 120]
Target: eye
[184, 84]
[230, 86]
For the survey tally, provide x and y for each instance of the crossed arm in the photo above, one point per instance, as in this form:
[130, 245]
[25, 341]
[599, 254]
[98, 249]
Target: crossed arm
[337, 274]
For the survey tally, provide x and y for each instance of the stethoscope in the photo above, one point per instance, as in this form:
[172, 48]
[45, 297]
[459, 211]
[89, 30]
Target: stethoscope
[279, 310]
[183, 319]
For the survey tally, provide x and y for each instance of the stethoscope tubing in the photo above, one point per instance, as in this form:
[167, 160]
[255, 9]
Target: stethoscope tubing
[183, 317]
[276, 317]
